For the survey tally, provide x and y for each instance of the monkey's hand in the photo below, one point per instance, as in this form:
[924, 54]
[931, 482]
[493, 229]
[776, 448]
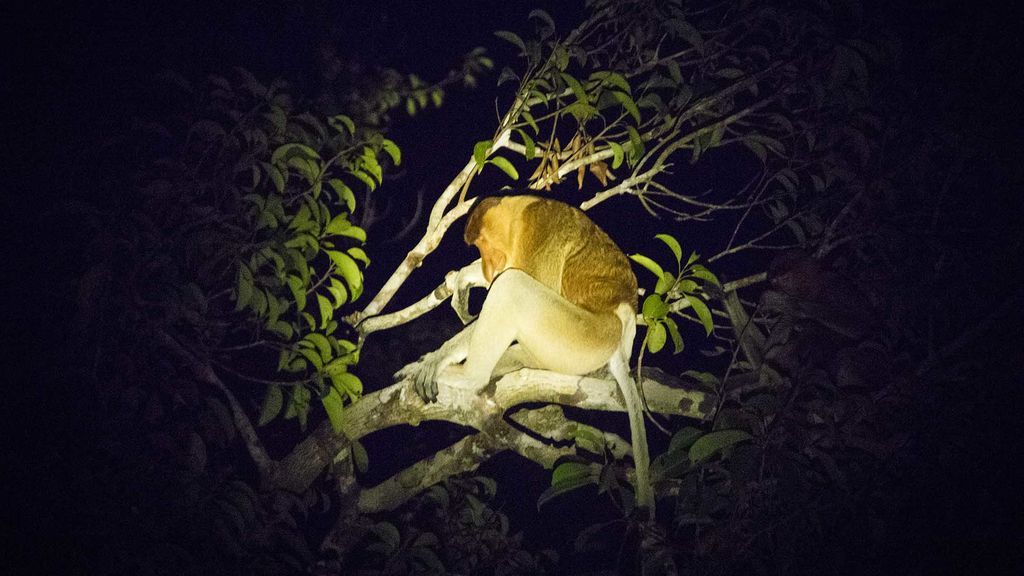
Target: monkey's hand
[471, 276]
[423, 374]
[424, 371]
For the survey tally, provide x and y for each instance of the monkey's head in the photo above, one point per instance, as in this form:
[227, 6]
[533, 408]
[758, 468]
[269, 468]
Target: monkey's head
[475, 221]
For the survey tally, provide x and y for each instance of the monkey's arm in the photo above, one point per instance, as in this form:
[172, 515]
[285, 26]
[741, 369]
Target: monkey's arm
[471, 276]
[424, 371]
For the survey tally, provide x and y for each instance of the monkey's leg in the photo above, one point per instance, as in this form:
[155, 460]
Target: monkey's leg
[558, 335]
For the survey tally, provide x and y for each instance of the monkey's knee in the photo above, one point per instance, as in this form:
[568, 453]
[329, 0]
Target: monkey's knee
[512, 288]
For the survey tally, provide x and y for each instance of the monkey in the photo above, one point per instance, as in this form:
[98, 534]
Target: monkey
[561, 290]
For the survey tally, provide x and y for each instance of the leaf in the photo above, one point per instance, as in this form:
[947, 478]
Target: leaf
[714, 442]
[664, 284]
[673, 332]
[333, 405]
[506, 166]
[656, 337]
[298, 289]
[243, 286]
[531, 147]
[388, 534]
[365, 179]
[286, 152]
[273, 401]
[589, 439]
[348, 269]
[654, 308]
[566, 477]
[548, 27]
[673, 245]
[613, 79]
[506, 75]
[326, 310]
[628, 104]
[393, 150]
[480, 150]
[646, 262]
[337, 291]
[344, 193]
[359, 254]
[348, 383]
[576, 87]
[341, 121]
[530, 121]
[513, 38]
[704, 274]
[320, 343]
[636, 150]
[701, 309]
[686, 31]
[617, 154]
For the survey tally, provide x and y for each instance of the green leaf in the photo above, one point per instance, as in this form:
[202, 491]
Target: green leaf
[613, 79]
[617, 154]
[480, 150]
[589, 438]
[673, 332]
[338, 292]
[548, 27]
[286, 152]
[673, 245]
[273, 401]
[298, 289]
[393, 150]
[326, 310]
[576, 87]
[636, 150]
[338, 224]
[665, 283]
[714, 442]
[333, 406]
[701, 309]
[505, 166]
[341, 121]
[320, 343]
[243, 286]
[348, 269]
[628, 104]
[365, 179]
[704, 274]
[646, 262]
[654, 308]
[656, 337]
[566, 477]
[347, 383]
[277, 177]
[511, 37]
[530, 121]
[688, 286]
[686, 31]
[359, 254]
[531, 148]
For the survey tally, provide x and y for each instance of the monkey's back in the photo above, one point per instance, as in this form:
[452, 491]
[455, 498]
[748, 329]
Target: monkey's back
[575, 257]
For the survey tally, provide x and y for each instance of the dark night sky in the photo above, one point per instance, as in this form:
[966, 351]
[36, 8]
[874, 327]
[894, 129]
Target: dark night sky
[71, 73]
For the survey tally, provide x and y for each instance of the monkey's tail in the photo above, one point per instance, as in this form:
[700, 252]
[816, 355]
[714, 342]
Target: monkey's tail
[619, 367]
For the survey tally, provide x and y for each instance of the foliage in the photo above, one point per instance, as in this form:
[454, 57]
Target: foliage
[238, 252]
[452, 528]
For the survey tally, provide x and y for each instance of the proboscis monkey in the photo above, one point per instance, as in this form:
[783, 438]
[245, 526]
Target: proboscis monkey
[558, 286]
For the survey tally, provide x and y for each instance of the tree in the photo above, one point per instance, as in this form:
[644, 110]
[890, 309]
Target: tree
[239, 267]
